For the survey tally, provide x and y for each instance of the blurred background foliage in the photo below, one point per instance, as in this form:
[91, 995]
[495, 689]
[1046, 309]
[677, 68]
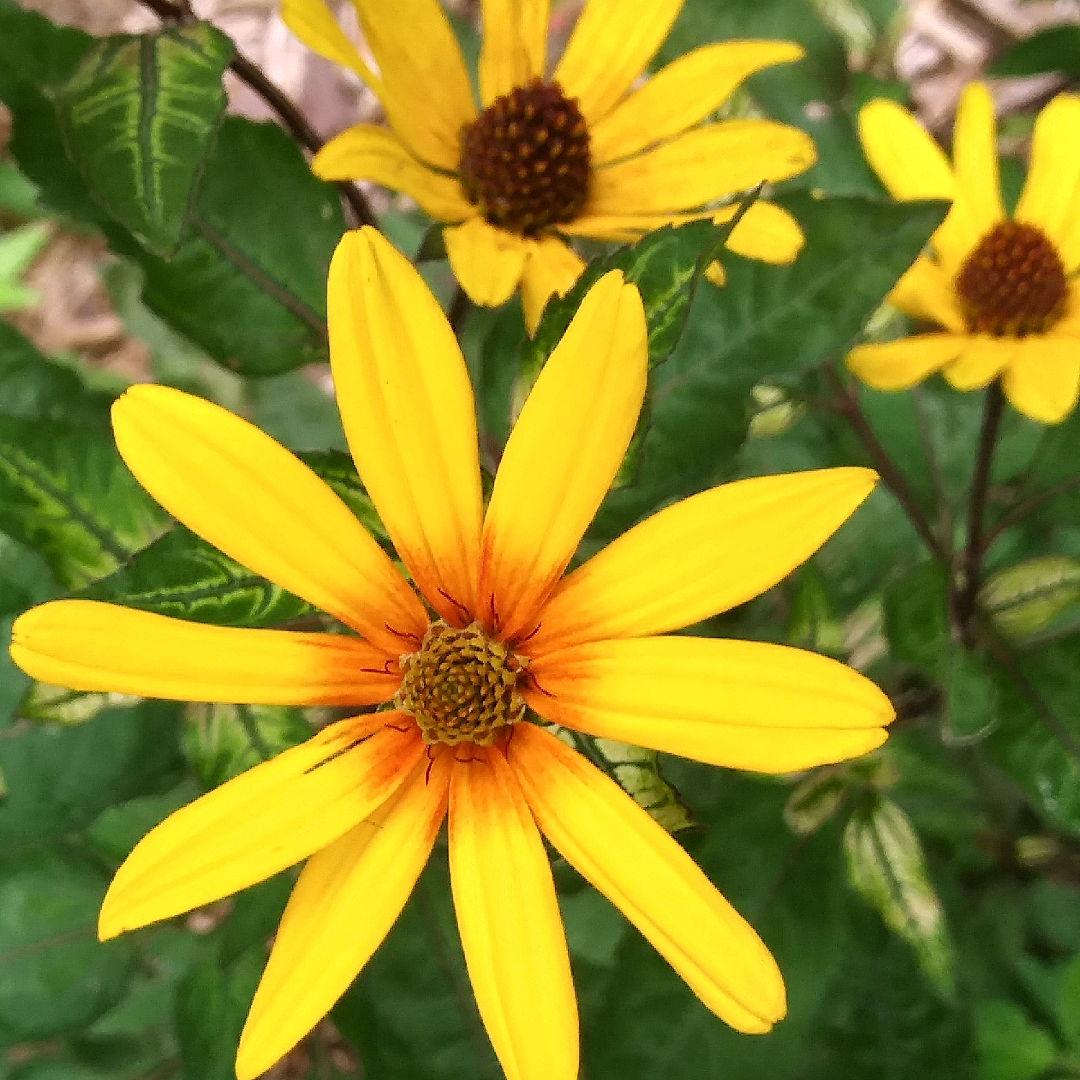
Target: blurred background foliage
[923, 903]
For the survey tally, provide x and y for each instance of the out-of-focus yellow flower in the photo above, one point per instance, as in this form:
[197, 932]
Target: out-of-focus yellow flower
[1005, 290]
[501, 631]
[576, 154]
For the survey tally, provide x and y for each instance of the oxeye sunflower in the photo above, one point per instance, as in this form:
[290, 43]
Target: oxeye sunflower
[1005, 290]
[497, 630]
[550, 156]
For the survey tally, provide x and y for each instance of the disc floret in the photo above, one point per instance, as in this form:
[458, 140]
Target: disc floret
[1013, 283]
[525, 160]
[461, 685]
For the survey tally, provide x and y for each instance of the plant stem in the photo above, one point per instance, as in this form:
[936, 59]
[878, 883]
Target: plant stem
[291, 117]
[847, 404]
[980, 482]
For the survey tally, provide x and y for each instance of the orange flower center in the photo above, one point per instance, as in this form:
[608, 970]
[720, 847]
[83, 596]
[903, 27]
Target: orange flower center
[1013, 283]
[460, 685]
[525, 159]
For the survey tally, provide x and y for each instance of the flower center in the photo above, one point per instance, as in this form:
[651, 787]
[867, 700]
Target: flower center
[1013, 283]
[460, 686]
[525, 159]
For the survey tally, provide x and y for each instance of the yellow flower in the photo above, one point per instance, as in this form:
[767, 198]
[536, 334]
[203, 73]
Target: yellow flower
[363, 800]
[577, 155]
[1005, 290]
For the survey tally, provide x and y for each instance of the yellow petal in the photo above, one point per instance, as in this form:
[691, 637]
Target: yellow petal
[248, 496]
[926, 292]
[407, 407]
[896, 365]
[742, 704]
[1069, 234]
[975, 157]
[609, 48]
[912, 166]
[314, 24]
[345, 901]
[551, 269]
[1043, 380]
[372, 153]
[764, 232]
[487, 262]
[87, 645]
[563, 453]
[700, 557]
[509, 922]
[513, 46]
[633, 861]
[265, 820]
[1053, 178]
[624, 228]
[982, 360]
[681, 94]
[427, 94]
[705, 164]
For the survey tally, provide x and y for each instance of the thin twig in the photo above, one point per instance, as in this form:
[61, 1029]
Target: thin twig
[847, 405]
[971, 562]
[294, 121]
[1021, 509]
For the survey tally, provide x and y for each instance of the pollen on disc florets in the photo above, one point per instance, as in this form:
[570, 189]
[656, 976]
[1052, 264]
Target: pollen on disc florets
[525, 159]
[1013, 283]
[460, 685]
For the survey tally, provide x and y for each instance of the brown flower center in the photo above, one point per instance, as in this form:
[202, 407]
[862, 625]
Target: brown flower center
[525, 159]
[460, 686]
[1013, 283]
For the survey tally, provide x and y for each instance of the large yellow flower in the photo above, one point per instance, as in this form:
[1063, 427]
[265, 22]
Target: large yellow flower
[363, 800]
[577, 155]
[1005, 290]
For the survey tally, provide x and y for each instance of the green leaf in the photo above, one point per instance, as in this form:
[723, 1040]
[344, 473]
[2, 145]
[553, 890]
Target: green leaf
[916, 621]
[222, 741]
[38, 389]
[139, 115]
[1055, 468]
[62, 777]
[212, 1002]
[55, 976]
[18, 249]
[816, 799]
[1038, 754]
[765, 321]
[247, 283]
[1010, 1047]
[183, 576]
[1068, 1004]
[1025, 598]
[1057, 48]
[65, 492]
[58, 705]
[887, 867]
[638, 773]
[665, 266]
[971, 697]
